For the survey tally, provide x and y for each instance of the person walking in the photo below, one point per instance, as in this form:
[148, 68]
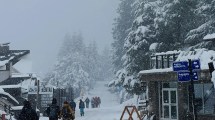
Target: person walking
[73, 105]
[67, 113]
[81, 107]
[53, 111]
[28, 113]
[87, 100]
[99, 101]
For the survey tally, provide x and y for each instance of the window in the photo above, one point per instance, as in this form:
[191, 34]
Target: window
[204, 98]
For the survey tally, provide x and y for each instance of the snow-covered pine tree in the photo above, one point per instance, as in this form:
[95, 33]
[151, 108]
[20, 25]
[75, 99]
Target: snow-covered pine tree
[174, 20]
[138, 42]
[205, 25]
[91, 62]
[121, 29]
[69, 70]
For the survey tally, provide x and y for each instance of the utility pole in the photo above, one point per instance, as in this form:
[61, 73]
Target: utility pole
[191, 93]
[38, 90]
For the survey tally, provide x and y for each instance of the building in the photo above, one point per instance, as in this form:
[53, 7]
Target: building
[11, 77]
[170, 99]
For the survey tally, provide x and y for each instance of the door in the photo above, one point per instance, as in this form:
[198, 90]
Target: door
[169, 104]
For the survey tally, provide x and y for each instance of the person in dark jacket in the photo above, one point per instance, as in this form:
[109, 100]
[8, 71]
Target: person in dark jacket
[53, 111]
[28, 113]
[87, 100]
[81, 107]
[73, 104]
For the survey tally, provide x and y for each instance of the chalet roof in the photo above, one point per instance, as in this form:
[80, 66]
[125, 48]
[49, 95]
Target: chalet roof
[12, 56]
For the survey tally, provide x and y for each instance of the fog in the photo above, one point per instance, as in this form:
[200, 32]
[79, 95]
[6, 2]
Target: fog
[40, 25]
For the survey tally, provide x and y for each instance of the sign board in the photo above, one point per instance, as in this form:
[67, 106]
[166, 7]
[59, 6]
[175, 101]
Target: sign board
[46, 100]
[46, 90]
[196, 64]
[32, 89]
[180, 66]
[195, 76]
[43, 90]
[185, 76]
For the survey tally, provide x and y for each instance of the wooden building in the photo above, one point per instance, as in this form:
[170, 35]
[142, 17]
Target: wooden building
[168, 98]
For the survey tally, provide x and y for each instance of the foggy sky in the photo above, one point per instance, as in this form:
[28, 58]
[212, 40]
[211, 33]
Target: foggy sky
[40, 25]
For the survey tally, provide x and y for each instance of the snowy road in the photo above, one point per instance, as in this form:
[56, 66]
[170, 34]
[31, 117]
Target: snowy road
[109, 110]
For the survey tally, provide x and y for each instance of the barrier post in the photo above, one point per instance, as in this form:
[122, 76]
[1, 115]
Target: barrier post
[130, 113]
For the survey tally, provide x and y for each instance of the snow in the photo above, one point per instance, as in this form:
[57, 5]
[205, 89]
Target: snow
[17, 107]
[204, 55]
[110, 108]
[155, 70]
[2, 63]
[153, 46]
[17, 75]
[209, 36]
[10, 86]
[7, 94]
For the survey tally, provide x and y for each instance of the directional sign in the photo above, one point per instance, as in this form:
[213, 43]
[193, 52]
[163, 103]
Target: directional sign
[196, 64]
[195, 76]
[180, 66]
[183, 76]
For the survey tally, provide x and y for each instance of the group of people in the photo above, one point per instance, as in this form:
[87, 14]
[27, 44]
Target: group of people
[95, 102]
[67, 112]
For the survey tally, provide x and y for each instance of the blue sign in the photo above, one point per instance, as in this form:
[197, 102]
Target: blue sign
[196, 64]
[195, 76]
[180, 66]
[183, 76]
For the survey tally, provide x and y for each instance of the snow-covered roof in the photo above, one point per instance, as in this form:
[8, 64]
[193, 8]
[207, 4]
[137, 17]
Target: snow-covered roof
[205, 56]
[209, 36]
[18, 75]
[17, 107]
[10, 86]
[8, 95]
[168, 52]
[26, 83]
[12, 54]
[155, 70]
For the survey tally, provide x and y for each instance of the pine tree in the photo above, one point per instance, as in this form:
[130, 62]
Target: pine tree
[69, 69]
[174, 20]
[121, 29]
[205, 25]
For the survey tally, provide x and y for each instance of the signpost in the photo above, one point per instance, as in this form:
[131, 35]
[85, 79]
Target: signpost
[186, 72]
[184, 69]
[180, 66]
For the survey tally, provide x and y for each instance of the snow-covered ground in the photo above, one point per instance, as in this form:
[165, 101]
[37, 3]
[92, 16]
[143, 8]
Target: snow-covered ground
[110, 108]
